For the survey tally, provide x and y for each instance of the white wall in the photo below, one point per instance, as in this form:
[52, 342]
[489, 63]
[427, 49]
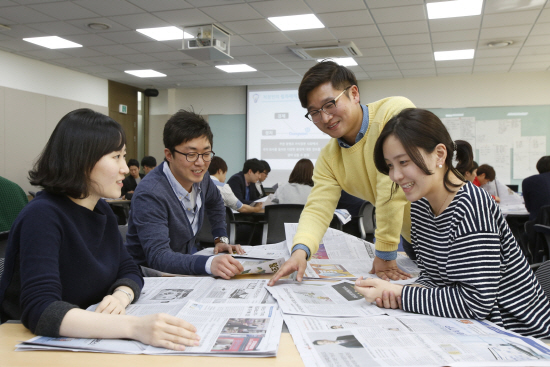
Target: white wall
[480, 90]
[33, 98]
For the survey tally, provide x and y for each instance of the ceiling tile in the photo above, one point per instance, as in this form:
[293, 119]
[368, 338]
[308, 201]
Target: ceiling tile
[540, 29]
[73, 62]
[408, 39]
[83, 24]
[331, 6]
[109, 8]
[266, 38]
[271, 66]
[20, 31]
[126, 37]
[508, 60]
[417, 65]
[88, 40]
[172, 56]
[499, 33]
[399, 14]
[250, 26]
[81, 52]
[380, 67]
[203, 3]
[161, 5]
[491, 68]
[45, 54]
[496, 52]
[515, 18]
[455, 36]
[532, 66]
[246, 51]
[544, 15]
[456, 70]
[500, 6]
[187, 17]
[346, 18]
[64, 10]
[281, 8]
[105, 60]
[57, 28]
[414, 49]
[355, 31]
[414, 58]
[24, 15]
[18, 46]
[228, 13]
[533, 59]
[256, 59]
[373, 4]
[96, 69]
[310, 35]
[376, 51]
[450, 46]
[143, 20]
[393, 29]
[366, 43]
[455, 24]
[537, 40]
[385, 75]
[535, 50]
[149, 47]
[454, 63]
[286, 72]
[417, 73]
[374, 60]
[114, 50]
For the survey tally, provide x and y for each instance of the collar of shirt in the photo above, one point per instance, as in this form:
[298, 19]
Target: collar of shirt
[183, 196]
[362, 131]
[216, 181]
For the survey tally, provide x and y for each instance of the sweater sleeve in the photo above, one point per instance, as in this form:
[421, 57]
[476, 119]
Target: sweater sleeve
[473, 268]
[129, 274]
[150, 218]
[320, 206]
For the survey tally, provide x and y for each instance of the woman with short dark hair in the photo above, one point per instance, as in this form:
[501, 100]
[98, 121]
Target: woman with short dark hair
[65, 252]
[299, 184]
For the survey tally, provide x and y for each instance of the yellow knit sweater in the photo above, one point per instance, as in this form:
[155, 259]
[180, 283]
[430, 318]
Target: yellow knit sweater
[353, 170]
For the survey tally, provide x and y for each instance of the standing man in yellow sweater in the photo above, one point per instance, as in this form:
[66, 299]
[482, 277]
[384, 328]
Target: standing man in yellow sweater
[330, 94]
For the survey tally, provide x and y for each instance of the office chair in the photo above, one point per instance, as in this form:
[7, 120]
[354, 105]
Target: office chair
[32, 193]
[535, 238]
[275, 218]
[204, 237]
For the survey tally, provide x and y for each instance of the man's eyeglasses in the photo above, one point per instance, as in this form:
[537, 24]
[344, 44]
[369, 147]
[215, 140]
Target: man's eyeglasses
[192, 157]
[329, 108]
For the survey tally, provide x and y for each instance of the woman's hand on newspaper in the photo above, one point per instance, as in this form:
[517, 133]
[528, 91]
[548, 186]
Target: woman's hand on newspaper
[165, 331]
[297, 262]
[386, 294]
[113, 305]
[226, 266]
[388, 270]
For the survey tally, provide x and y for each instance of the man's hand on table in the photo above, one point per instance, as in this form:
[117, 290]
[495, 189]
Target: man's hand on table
[226, 266]
[225, 247]
[388, 270]
[297, 262]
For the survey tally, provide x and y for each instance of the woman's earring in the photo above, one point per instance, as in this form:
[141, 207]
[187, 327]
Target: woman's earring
[440, 166]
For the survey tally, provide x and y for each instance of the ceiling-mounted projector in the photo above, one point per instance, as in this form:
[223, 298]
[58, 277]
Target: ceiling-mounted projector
[326, 51]
[208, 42]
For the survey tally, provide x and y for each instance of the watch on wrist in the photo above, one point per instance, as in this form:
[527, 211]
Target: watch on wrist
[222, 239]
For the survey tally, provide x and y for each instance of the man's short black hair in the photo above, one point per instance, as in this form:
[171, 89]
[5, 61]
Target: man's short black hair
[267, 167]
[543, 165]
[185, 126]
[217, 164]
[80, 139]
[149, 161]
[133, 162]
[253, 164]
[325, 71]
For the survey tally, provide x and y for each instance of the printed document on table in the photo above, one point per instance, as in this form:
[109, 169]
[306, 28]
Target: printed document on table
[263, 252]
[343, 256]
[416, 340]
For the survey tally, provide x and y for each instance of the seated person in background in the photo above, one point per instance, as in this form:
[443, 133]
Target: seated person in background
[13, 200]
[65, 252]
[148, 163]
[218, 171]
[130, 183]
[243, 183]
[263, 176]
[536, 188]
[471, 174]
[484, 175]
[299, 185]
[470, 263]
[169, 205]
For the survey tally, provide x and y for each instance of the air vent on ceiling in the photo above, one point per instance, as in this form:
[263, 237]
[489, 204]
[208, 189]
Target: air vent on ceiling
[326, 51]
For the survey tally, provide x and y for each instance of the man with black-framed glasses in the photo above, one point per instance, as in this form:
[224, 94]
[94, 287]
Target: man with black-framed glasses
[169, 205]
[330, 94]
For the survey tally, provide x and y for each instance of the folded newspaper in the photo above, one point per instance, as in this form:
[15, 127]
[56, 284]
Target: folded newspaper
[233, 318]
[343, 256]
[262, 252]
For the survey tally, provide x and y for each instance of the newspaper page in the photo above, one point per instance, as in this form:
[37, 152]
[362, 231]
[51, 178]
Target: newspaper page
[263, 252]
[240, 330]
[333, 300]
[343, 256]
[236, 317]
[411, 341]
[250, 266]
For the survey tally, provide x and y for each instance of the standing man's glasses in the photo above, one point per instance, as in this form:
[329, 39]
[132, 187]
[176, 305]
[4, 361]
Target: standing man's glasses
[329, 108]
[192, 157]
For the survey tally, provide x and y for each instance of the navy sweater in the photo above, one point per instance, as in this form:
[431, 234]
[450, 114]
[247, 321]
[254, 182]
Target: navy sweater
[159, 233]
[60, 256]
[536, 192]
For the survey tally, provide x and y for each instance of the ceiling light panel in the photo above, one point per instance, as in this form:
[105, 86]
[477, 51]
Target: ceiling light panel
[453, 9]
[296, 22]
[52, 42]
[164, 33]
[454, 55]
[240, 68]
[148, 73]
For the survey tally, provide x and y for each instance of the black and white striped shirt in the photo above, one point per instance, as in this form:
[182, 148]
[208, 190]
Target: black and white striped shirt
[472, 267]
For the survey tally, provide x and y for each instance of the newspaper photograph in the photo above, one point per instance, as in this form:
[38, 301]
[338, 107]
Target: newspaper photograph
[411, 341]
[261, 266]
[334, 300]
[343, 256]
[263, 252]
